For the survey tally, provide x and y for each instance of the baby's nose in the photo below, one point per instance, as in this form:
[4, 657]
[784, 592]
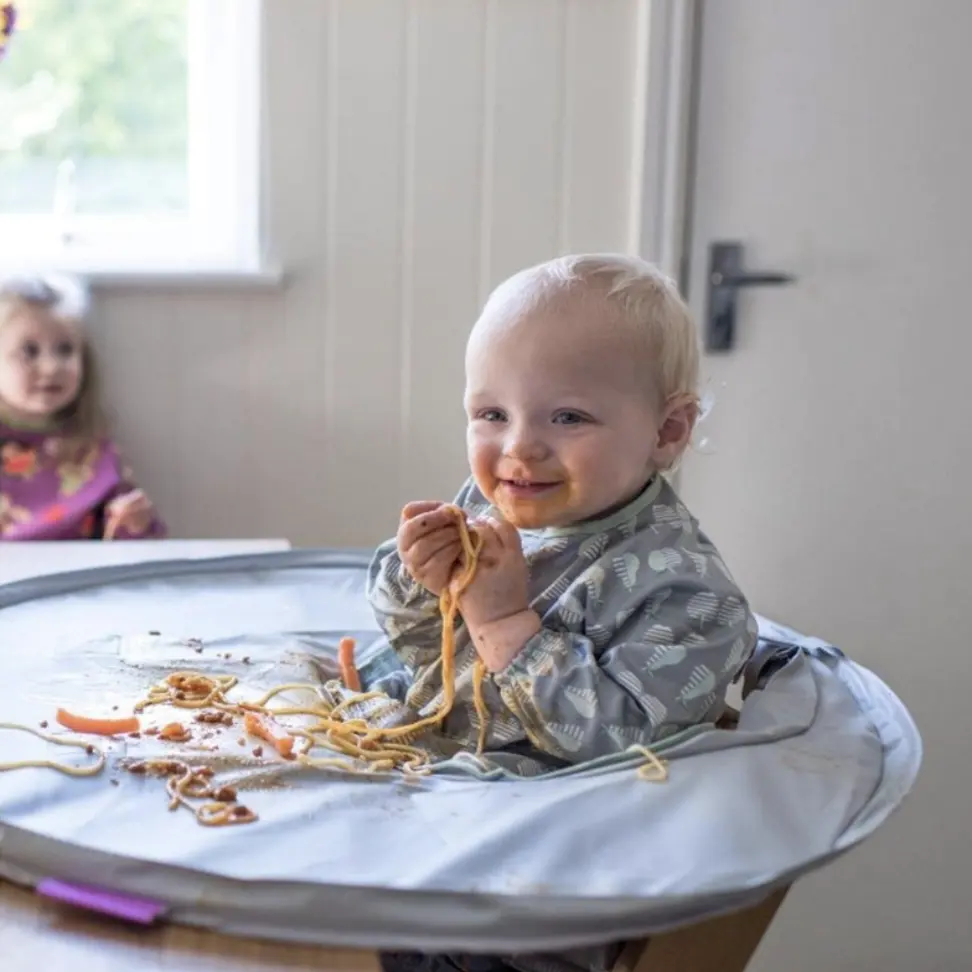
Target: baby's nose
[525, 444]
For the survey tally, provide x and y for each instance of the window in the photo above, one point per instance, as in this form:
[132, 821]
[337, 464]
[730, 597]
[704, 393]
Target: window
[130, 137]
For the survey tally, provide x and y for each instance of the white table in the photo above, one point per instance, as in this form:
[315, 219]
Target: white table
[22, 560]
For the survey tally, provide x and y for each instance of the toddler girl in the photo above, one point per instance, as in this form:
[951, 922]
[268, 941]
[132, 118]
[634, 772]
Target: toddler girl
[604, 616]
[61, 477]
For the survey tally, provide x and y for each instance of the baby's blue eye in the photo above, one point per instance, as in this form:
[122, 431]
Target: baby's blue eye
[490, 415]
[569, 418]
[29, 350]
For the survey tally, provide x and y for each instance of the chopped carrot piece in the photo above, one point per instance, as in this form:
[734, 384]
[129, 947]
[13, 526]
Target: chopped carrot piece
[175, 732]
[261, 728]
[100, 727]
[349, 673]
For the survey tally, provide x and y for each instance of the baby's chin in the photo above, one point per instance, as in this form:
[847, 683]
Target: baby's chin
[554, 511]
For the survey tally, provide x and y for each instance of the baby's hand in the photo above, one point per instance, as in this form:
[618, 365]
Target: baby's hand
[132, 512]
[428, 543]
[496, 605]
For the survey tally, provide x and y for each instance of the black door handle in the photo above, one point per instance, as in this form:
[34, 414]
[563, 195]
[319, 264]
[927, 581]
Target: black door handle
[726, 275]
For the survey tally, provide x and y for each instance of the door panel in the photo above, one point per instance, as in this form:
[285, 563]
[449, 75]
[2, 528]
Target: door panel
[834, 141]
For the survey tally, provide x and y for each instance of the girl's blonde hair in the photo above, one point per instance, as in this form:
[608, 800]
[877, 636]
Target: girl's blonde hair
[66, 299]
[642, 297]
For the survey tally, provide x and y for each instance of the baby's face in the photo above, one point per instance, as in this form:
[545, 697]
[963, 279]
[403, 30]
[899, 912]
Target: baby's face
[40, 365]
[561, 426]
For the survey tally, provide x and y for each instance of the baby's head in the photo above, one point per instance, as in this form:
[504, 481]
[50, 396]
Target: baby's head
[46, 372]
[581, 384]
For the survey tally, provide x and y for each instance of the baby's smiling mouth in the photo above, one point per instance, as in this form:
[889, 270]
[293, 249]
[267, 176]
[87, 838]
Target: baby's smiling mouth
[526, 488]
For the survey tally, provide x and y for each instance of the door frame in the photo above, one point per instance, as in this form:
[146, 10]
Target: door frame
[666, 91]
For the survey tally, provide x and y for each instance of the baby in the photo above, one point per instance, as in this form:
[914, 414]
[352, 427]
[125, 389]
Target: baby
[604, 616]
[61, 477]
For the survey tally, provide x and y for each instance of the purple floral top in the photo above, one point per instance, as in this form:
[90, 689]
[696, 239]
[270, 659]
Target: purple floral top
[53, 488]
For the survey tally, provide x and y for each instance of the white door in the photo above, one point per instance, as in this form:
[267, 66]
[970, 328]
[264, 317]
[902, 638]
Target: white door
[835, 143]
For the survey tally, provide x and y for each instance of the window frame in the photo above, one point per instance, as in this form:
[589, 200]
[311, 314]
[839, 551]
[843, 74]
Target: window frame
[220, 235]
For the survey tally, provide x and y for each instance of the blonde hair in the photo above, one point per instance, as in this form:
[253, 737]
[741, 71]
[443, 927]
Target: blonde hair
[66, 299]
[645, 299]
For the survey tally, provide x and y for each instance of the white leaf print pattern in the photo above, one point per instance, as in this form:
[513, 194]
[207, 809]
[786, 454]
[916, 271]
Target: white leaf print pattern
[555, 546]
[583, 700]
[655, 708]
[599, 634]
[625, 736]
[571, 609]
[664, 514]
[409, 655]
[694, 640]
[629, 528]
[737, 656]
[701, 682]
[505, 730]
[393, 586]
[556, 590]
[541, 664]
[622, 617]
[699, 561]
[659, 634]
[654, 603]
[666, 656]
[731, 612]
[593, 547]
[551, 642]
[665, 559]
[593, 579]
[570, 739]
[626, 567]
[703, 606]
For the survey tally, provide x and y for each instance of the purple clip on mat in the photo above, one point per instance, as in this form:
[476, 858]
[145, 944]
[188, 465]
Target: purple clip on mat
[125, 906]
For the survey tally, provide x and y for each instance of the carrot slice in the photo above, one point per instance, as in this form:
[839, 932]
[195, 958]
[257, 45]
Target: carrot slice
[349, 673]
[175, 732]
[261, 728]
[100, 727]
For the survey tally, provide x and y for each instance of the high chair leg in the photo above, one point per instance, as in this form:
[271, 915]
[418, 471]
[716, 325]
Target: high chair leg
[724, 944]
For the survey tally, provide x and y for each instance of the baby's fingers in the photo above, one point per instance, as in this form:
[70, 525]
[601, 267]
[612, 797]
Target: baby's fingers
[419, 507]
[425, 525]
[431, 547]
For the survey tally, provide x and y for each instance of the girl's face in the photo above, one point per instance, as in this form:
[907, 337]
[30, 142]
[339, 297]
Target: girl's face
[40, 364]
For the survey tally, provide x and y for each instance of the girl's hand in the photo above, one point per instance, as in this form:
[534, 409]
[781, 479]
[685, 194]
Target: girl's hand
[428, 543]
[132, 512]
[496, 605]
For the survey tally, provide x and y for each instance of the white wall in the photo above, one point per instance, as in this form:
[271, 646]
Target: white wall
[419, 150]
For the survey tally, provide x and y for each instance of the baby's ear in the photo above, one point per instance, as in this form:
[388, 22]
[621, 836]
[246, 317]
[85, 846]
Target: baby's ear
[675, 430]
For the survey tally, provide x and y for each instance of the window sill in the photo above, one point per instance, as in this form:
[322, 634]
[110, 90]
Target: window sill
[268, 277]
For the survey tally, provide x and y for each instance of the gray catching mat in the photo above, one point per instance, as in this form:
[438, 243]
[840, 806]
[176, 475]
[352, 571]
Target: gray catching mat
[823, 754]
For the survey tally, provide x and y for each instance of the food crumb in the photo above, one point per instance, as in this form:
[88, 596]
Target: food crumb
[44, 724]
[89, 749]
[114, 782]
[246, 659]
[258, 751]
[241, 741]
[152, 731]
[155, 634]
[134, 735]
